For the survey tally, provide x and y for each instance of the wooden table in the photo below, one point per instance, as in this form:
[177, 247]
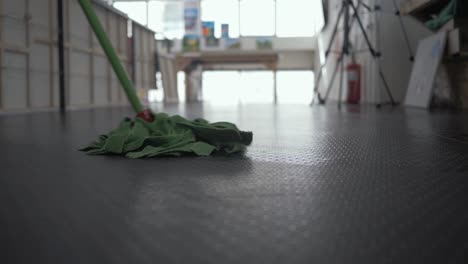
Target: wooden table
[187, 61]
[267, 58]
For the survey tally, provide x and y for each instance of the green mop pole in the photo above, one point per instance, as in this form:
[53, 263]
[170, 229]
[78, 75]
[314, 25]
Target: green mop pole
[114, 60]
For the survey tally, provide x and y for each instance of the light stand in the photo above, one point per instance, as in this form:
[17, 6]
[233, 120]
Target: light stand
[344, 13]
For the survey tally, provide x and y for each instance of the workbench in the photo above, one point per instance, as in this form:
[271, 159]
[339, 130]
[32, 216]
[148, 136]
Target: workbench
[187, 62]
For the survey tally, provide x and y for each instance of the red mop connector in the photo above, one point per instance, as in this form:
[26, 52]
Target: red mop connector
[146, 115]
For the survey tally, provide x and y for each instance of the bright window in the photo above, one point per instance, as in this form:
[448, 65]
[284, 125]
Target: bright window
[135, 10]
[222, 12]
[234, 87]
[257, 17]
[295, 87]
[181, 86]
[221, 87]
[284, 18]
[256, 87]
[166, 18]
[172, 22]
[299, 18]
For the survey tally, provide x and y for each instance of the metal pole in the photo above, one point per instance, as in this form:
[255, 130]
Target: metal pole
[405, 32]
[340, 92]
[376, 55]
[61, 57]
[327, 53]
[330, 85]
[346, 44]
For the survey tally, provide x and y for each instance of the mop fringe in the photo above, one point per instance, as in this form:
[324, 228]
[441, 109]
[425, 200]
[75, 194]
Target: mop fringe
[170, 136]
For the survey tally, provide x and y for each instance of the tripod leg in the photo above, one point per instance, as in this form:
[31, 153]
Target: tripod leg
[361, 25]
[375, 55]
[330, 85]
[327, 54]
[387, 88]
[335, 30]
[353, 18]
[341, 84]
[317, 82]
[405, 32]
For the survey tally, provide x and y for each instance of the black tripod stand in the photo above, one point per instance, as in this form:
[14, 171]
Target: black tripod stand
[344, 13]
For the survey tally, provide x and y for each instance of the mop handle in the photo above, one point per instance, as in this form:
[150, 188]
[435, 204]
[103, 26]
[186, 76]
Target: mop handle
[112, 56]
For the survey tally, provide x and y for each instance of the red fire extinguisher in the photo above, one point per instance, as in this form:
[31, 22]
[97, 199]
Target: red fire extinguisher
[354, 82]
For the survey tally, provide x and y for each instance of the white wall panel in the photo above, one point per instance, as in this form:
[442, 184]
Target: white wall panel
[14, 8]
[79, 27]
[113, 31]
[101, 13]
[115, 89]
[144, 56]
[13, 14]
[40, 16]
[40, 65]
[100, 93]
[14, 81]
[89, 77]
[40, 76]
[80, 79]
[123, 46]
[138, 76]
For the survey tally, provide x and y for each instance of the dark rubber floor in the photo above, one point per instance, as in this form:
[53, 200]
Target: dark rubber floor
[317, 186]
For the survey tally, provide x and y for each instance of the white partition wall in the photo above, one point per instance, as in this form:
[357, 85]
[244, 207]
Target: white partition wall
[29, 64]
[14, 55]
[144, 44]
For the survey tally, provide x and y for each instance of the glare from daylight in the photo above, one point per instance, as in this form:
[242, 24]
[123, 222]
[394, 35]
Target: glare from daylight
[222, 12]
[279, 18]
[282, 18]
[256, 87]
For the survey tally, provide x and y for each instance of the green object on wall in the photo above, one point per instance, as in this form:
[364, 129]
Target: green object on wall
[111, 55]
[170, 136]
[444, 16]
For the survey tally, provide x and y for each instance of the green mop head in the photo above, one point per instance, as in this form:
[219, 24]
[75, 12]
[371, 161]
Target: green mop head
[152, 135]
[170, 136]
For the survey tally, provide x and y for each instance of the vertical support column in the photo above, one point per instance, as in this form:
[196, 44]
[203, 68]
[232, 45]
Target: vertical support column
[51, 56]
[133, 52]
[91, 55]
[1, 56]
[346, 47]
[108, 71]
[377, 95]
[188, 83]
[120, 47]
[61, 56]
[274, 67]
[141, 37]
[27, 26]
[275, 88]
[68, 49]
